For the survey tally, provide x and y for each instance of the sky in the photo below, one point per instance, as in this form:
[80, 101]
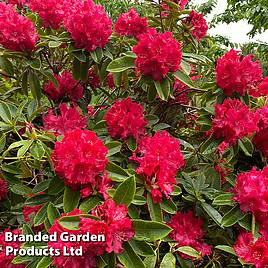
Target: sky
[236, 32]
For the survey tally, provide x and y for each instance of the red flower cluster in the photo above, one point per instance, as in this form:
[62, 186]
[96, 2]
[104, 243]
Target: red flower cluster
[89, 25]
[90, 249]
[159, 159]
[198, 25]
[52, 12]
[250, 252]
[68, 119]
[93, 79]
[260, 88]
[101, 184]
[233, 120]
[30, 211]
[79, 158]
[181, 92]
[68, 88]
[187, 231]
[125, 119]
[113, 223]
[131, 24]
[261, 138]
[119, 226]
[6, 260]
[17, 33]
[110, 81]
[19, 3]
[236, 73]
[157, 54]
[251, 190]
[3, 189]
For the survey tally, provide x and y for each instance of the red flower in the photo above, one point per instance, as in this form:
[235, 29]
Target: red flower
[79, 158]
[187, 231]
[159, 159]
[93, 79]
[16, 32]
[157, 54]
[101, 185]
[28, 212]
[131, 24]
[52, 12]
[6, 260]
[3, 189]
[110, 81]
[261, 138]
[119, 226]
[69, 119]
[236, 73]
[243, 246]
[232, 121]
[259, 89]
[181, 92]
[68, 88]
[253, 253]
[181, 3]
[89, 25]
[251, 190]
[125, 119]
[198, 25]
[90, 249]
[19, 3]
[90, 110]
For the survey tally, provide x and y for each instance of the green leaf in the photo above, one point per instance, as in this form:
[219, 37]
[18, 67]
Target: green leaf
[114, 147]
[80, 55]
[76, 69]
[37, 200]
[89, 204]
[71, 199]
[121, 64]
[54, 44]
[24, 83]
[129, 258]
[116, 173]
[6, 66]
[125, 191]
[21, 259]
[5, 113]
[35, 64]
[70, 222]
[169, 206]
[34, 84]
[184, 78]
[154, 209]
[150, 230]
[56, 186]
[2, 142]
[186, 67]
[141, 247]
[20, 189]
[40, 216]
[189, 251]
[163, 88]
[44, 262]
[150, 261]
[49, 75]
[161, 126]
[177, 191]
[139, 200]
[246, 146]
[232, 217]
[225, 199]
[52, 213]
[131, 144]
[84, 66]
[24, 148]
[97, 55]
[37, 151]
[212, 212]
[226, 249]
[169, 261]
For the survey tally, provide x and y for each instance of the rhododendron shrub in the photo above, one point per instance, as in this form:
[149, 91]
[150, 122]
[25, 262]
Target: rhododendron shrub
[126, 119]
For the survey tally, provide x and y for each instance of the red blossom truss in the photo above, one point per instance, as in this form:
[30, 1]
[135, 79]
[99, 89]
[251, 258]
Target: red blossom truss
[157, 54]
[17, 32]
[187, 231]
[3, 189]
[79, 158]
[125, 119]
[88, 25]
[159, 159]
[68, 119]
[236, 73]
[68, 88]
[131, 24]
